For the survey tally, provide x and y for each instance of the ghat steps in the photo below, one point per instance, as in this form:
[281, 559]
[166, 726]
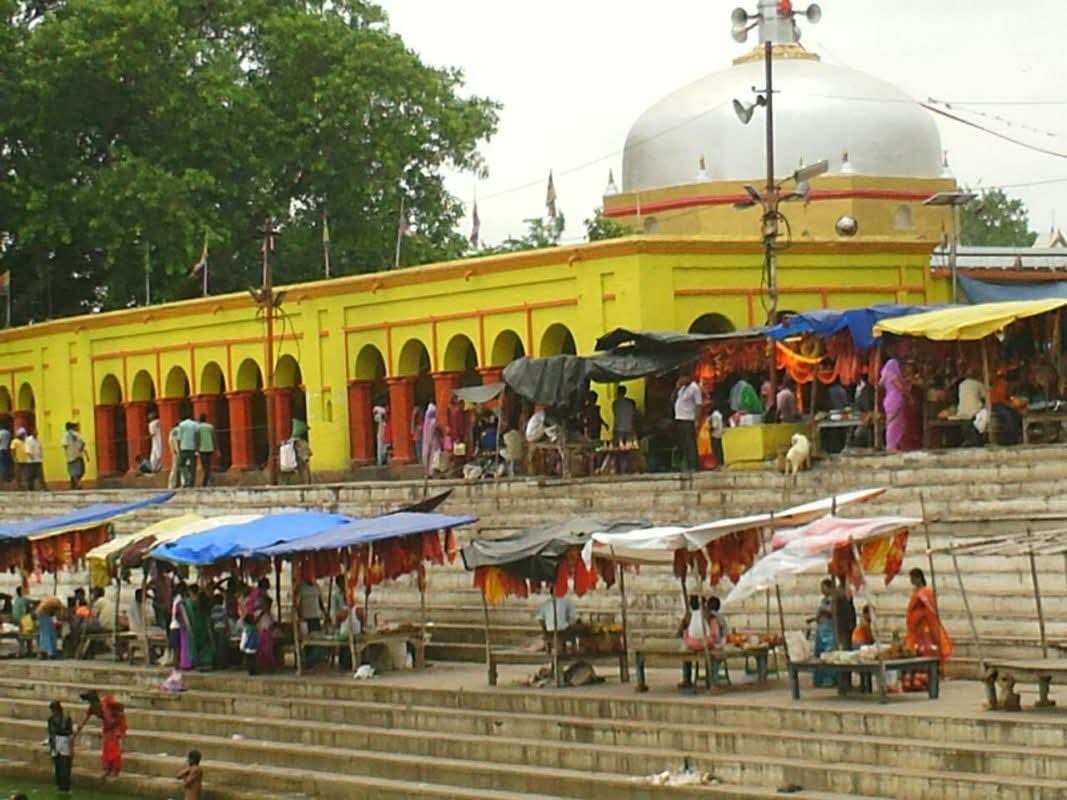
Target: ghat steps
[442, 735]
[966, 493]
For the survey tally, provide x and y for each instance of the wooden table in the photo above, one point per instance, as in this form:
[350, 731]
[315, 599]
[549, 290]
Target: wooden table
[364, 640]
[1043, 672]
[615, 458]
[532, 657]
[877, 669]
[943, 424]
[1035, 417]
[848, 423]
[710, 658]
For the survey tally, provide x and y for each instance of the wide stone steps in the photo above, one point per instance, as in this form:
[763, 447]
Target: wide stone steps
[558, 743]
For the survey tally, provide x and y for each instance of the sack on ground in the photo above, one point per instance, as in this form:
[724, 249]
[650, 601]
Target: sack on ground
[287, 456]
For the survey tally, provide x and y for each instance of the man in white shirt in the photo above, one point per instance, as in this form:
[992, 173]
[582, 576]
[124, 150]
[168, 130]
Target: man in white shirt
[557, 614]
[34, 462]
[687, 401]
[311, 606]
[972, 397]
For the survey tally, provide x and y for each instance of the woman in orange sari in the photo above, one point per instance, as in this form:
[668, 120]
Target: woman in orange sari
[926, 636]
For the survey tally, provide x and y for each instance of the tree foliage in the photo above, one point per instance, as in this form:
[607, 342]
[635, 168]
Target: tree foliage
[599, 228]
[540, 233]
[996, 220]
[134, 125]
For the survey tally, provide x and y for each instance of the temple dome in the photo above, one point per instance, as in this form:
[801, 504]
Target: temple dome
[820, 112]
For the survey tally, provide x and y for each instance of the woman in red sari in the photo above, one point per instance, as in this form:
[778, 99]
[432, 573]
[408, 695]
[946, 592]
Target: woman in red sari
[926, 636]
[113, 727]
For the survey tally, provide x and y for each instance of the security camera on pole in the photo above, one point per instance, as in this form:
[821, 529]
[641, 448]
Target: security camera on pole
[775, 21]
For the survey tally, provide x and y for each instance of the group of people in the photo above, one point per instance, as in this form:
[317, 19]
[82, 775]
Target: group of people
[189, 441]
[22, 456]
[838, 628]
[62, 736]
[54, 628]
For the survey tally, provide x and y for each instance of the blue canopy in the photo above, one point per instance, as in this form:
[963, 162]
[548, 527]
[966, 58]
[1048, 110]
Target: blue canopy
[87, 517]
[366, 531]
[859, 322]
[978, 291]
[247, 539]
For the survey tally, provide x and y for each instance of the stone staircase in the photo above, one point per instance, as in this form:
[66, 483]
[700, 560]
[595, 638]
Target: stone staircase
[442, 735]
[965, 493]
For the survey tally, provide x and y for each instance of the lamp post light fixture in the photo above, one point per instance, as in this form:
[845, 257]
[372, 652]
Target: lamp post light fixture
[775, 21]
[954, 201]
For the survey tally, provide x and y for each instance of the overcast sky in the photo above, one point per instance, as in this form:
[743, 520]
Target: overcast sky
[573, 75]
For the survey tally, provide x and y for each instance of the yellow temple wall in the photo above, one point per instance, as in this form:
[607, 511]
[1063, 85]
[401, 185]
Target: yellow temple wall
[432, 319]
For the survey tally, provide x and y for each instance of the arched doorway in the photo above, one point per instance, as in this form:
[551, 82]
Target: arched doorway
[248, 418]
[138, 411]
[211, 403]
[365, 391]
[557, 340]
[709, 324]
[290, 400]
[412, 389]
[109, 423]
[461, 357]
[506, 348]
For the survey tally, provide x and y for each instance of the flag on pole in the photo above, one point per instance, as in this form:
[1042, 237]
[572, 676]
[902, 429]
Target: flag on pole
[550, 197]
[476, 226]
[403, 229]
[326, 242]
[200, 267]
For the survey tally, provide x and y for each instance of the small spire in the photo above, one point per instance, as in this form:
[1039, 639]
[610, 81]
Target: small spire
[702, 170]
[846, 165]
[611, 188]
[946, 171]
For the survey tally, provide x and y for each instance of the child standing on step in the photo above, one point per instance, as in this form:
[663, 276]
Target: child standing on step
[192, 777]
[249, 642]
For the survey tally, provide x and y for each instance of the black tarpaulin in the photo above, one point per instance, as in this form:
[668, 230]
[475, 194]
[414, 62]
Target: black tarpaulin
[534, 553]
[659, 340]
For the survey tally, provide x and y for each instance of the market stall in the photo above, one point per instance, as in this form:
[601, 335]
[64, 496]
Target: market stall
[1001, 674]
[848, 550]
[1010, 356]
[549, 557]
[368, 552]
[708, 552]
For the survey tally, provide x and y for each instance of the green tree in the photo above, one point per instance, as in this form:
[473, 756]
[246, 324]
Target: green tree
[142, 124]
[599, 228]
[540, 233]
[996, 220]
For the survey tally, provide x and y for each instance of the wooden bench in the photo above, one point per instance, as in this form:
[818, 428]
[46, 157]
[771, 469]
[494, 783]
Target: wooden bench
[1043, 672]
[25, 643]
[533, 657]
[875, 669]
[363, 641]
[117, 644]
[157, 641]
[710, 658]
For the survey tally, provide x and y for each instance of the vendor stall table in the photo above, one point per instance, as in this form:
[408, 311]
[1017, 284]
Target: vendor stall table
[877, 669]
[942, 424]
[709, 658]
[520, 656]
[618, 460]
[759, 442]
[361, 643]
[1041, 418]
[847, 424]
[1043, 672]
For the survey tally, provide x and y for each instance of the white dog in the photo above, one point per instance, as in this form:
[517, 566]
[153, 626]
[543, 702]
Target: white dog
[799, 455]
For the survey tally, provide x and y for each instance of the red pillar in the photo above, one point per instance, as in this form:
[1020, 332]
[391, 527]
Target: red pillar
[170, 414]
[361, 434]
[137, 440]
[242, 440]
[23, 419]
[208, 405]
[280, 410]
[107, 456]
[443, 384]
[401, 404]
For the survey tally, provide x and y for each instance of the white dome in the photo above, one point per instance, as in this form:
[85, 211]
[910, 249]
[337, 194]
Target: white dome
[820, 111]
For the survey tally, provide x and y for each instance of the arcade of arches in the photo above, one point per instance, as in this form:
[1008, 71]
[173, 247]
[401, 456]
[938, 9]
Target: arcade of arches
[397, 340]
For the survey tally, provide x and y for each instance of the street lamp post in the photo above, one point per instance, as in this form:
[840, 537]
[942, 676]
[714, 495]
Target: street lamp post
[268, 301]
[776, 24]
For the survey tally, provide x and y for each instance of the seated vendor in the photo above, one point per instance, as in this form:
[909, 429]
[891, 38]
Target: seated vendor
[864, 633]
[695, 629]
[786, 403]
[719, 627]
[557, 615]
